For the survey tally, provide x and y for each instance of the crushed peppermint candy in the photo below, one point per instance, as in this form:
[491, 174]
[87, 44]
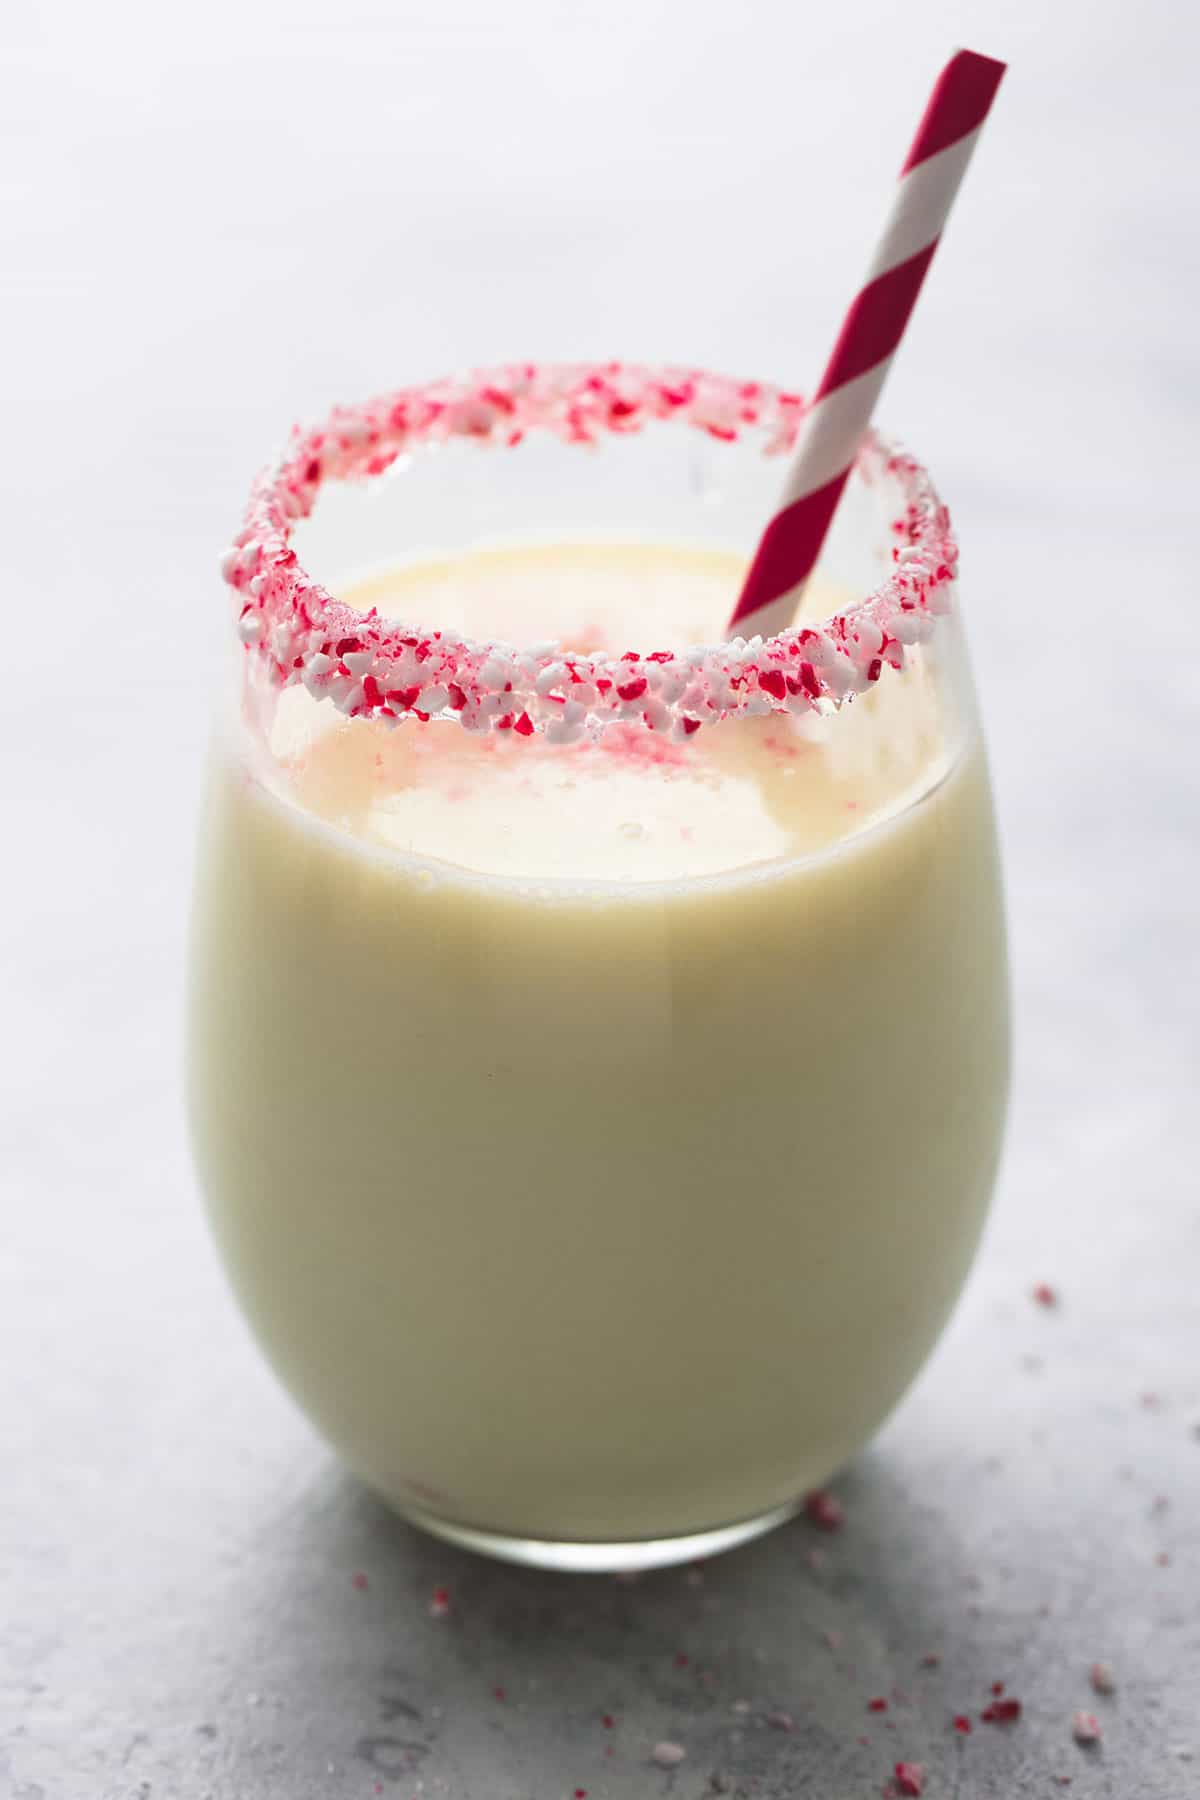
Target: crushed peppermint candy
[668, 1755]
[439, 1604]
[373, 667]
[1102, 1678]
[824, 1511]
[909, 1778]
[1001, 1712]
[1045, 1295]
[1085, 1728]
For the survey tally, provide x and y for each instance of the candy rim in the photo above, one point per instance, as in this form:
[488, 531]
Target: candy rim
[373, 667]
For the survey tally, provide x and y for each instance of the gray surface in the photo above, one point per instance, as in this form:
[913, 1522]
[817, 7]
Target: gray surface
[191, 267]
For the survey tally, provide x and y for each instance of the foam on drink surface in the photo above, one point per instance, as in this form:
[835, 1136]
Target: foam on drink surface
[635, 806]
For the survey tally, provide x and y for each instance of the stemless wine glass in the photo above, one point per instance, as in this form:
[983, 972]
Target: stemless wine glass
[598, 1060]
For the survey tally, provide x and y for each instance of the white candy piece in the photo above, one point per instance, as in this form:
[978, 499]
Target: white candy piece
[911, 627]
[552, 676]
[869, 639]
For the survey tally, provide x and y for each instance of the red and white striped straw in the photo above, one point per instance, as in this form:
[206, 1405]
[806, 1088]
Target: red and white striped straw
[842, 406]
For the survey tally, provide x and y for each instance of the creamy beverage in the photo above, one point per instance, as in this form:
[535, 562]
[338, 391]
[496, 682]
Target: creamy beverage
[598, 1134]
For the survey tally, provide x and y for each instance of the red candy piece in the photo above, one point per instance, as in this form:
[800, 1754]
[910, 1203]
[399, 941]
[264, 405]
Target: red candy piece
[824, 1511]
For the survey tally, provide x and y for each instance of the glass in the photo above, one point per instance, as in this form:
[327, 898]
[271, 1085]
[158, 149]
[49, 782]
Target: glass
[597, 1106]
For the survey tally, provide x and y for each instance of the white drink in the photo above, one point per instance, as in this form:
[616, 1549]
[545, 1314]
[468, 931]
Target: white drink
[598, 1138]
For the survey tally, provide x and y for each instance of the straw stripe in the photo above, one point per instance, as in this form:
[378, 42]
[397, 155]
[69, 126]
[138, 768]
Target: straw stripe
[836, 429]
[926, 193]
[845, 399]
[961, 100]
[791, 541]
[875, 323]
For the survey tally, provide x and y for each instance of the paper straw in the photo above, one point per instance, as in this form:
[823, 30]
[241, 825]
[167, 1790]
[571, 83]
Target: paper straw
[842, 406]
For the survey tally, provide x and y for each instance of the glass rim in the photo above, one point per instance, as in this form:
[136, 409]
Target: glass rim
[375, 667]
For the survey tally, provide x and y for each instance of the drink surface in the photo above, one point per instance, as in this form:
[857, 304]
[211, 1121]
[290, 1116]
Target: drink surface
[599, 1137]
[634, 807]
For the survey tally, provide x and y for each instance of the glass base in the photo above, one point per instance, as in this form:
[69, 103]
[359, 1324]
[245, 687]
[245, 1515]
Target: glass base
[591, 1557]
